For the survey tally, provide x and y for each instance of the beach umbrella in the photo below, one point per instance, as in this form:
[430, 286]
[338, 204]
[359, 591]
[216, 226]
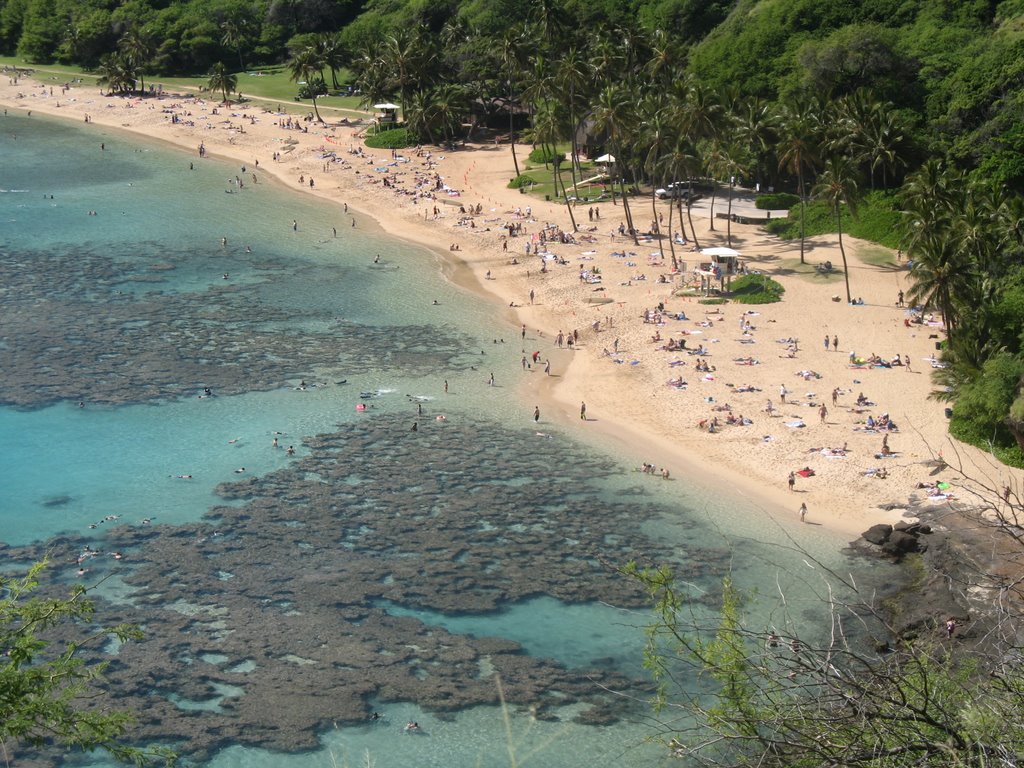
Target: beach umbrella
[605, 159]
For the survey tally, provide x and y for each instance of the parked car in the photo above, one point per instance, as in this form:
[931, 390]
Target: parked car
[678, 189]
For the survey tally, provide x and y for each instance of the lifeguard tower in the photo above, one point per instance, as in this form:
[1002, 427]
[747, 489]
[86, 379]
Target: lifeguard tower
[718, 265]
[387, 115]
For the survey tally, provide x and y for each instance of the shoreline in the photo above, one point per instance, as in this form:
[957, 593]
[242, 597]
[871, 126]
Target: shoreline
[628, 406]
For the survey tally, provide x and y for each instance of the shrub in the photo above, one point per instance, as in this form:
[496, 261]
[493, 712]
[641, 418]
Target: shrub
[545, 155]
[395, 138]
[522, 180]
[776, 201]
[756, 289]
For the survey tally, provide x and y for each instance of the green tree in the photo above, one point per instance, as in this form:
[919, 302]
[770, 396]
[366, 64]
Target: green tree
[137, 49]
[222, 80]
[306, 66]
[798, 150]
[43, 688]
[613, 113]
[857, 696]
[235, 35]
[837, 186]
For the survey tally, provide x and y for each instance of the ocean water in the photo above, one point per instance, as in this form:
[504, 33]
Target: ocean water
[168, 338]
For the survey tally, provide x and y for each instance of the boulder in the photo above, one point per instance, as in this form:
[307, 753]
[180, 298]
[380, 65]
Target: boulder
[900, 543]
[878, 534]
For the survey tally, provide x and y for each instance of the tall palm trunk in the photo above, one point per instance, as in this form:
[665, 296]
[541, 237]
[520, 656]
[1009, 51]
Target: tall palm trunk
[800, 184]
[512, 137]
[842, 253]
[693, 229]
[714, 190]
[671, 242]
[654, 213]
[728, 220]
[558, 178]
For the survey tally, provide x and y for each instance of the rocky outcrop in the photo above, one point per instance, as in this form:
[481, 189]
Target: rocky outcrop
[895, 541]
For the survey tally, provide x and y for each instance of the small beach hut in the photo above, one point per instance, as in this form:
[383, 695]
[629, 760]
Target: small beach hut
[388, 114]
[718, 265]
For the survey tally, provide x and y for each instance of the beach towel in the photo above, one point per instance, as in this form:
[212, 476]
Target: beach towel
[796, 424]
[806, 473]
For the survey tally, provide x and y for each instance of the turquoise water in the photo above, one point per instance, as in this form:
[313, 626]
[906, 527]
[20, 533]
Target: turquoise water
[285, 597]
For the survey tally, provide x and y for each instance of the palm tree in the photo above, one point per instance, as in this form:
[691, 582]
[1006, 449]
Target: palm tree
[511, 59]
[332, 53]
[548, 127]
[572, 76]
[799, 140]
[613, 114]
[137, 50]
[940, 277]
[306, 66]
[837, 187]
[234, 36]
[116, 75]
[657, 136]
[930, 197]
[681, 162]
[402, 52]
[222, 80]
[731, 166]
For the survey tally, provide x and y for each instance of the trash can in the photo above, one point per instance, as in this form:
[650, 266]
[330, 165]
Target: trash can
[938, 346]
[949, 413]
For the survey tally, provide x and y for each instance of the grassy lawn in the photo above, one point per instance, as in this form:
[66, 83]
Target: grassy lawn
[878, 256]
[810, 271]
[545, 186]
[271, 84]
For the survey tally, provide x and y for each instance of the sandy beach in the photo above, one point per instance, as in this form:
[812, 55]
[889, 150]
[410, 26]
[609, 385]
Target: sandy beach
[644, 396]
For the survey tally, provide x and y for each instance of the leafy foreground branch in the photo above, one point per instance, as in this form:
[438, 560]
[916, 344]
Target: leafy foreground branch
[50, 695]
[768, 697]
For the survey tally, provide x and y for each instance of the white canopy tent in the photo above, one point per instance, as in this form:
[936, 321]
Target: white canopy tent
[605, 159]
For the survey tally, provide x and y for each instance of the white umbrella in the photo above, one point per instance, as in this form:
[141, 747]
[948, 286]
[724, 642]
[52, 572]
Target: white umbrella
[605, 159]
[386, 106]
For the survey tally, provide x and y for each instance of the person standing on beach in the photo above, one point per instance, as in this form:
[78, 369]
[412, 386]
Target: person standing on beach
[536, 413]
[823, 412]
[782, 393]
[835, 343]
[583, 411]
[792, 480]
[803, 513]
[826, 342]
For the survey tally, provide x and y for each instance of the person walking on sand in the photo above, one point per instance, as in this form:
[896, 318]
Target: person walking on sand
[826, 342]
[803, 513]
[583, 411]
[792, 480]
[782, 393]
[536, 413]
[835, 343]
[823, 412]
